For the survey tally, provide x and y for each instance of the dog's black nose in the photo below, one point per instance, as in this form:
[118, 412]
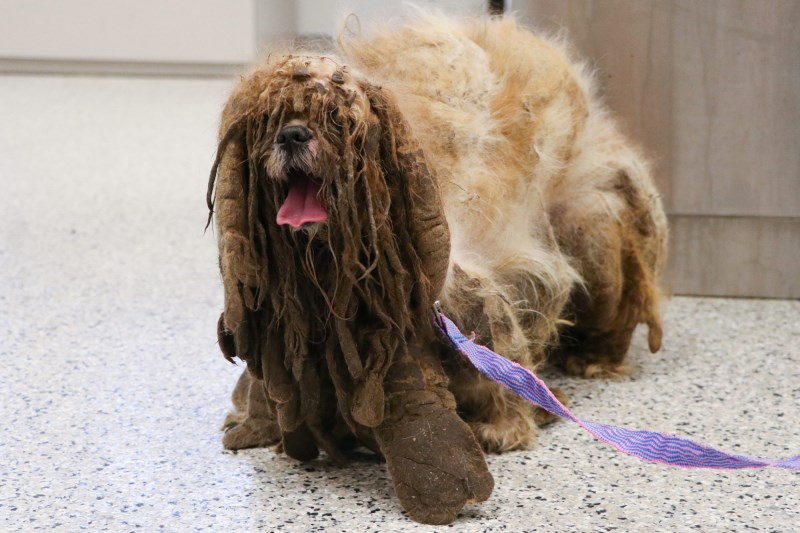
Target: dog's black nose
[294, 136]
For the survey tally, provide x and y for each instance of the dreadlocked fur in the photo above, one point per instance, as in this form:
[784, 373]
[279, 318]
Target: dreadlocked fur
[359, 280]
[487, 175]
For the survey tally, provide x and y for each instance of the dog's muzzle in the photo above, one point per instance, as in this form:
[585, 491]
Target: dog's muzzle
[294, 139]
[302, 204]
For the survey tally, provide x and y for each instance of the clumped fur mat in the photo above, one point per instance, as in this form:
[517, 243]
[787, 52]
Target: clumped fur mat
[466, 161]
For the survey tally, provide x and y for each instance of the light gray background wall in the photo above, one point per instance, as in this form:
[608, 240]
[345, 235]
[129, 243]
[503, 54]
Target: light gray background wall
[315, 16]
[712, 90]
[128, 36]
[172, 36]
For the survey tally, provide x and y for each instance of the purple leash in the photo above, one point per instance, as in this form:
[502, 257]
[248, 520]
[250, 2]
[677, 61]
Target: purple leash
[649, 446]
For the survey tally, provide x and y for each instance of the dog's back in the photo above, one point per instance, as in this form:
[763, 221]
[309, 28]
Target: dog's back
[550, 207]
[496, 109]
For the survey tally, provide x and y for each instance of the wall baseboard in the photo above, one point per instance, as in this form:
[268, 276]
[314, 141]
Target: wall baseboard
[121, 68]
[734, 256]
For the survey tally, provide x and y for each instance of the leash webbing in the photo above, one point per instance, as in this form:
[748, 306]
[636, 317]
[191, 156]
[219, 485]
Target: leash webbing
[647, 445]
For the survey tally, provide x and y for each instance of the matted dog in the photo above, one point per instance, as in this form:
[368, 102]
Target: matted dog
[464, 161]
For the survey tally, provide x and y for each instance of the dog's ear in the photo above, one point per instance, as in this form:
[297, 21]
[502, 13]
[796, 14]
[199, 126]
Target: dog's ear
[416, 208]
[242, 276]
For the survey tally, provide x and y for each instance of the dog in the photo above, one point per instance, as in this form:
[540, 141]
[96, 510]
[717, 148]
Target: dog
[465, 161]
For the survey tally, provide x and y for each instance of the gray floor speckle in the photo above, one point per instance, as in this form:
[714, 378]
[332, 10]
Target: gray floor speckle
[113, 388]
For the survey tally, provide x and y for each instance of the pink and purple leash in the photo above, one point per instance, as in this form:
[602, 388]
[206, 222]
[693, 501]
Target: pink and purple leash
[649, 446]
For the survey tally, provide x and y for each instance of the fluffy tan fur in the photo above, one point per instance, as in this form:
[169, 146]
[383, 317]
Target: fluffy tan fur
[474, 130]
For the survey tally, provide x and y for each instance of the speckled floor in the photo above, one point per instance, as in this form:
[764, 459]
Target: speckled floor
[113, 388]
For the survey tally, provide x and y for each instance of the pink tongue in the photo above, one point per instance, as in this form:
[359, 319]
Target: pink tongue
[302, 205]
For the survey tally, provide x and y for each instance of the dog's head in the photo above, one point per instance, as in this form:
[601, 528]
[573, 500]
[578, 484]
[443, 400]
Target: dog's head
[323, 151]
[323, 178]
[319, 140]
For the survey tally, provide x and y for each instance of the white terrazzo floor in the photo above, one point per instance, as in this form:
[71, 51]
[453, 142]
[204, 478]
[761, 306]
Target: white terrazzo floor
[113, 388]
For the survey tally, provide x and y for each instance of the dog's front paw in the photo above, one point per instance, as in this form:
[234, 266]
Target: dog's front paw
[433, 458]
[435, 463]
[249, 432]
[505, 435]
[593, 366]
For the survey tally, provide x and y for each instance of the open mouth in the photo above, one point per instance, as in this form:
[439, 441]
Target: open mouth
[302, 205]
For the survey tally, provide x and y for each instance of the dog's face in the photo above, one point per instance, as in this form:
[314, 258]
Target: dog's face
[324, 159]
[320, 132]
[328, 202]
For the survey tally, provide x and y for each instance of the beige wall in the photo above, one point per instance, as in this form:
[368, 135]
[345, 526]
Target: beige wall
[712, 89]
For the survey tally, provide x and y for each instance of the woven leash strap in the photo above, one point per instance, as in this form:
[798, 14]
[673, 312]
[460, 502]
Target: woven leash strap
[649, 446]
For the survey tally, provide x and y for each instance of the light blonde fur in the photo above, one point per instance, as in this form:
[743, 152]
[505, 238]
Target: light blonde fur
[520, 144]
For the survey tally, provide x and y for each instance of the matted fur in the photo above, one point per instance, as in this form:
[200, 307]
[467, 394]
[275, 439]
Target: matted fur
[466, 161]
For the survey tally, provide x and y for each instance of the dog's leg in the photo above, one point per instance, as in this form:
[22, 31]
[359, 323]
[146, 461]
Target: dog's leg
[435, 463]
[252, 424]
[619, 257]
[501, 420]
[239, 399]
